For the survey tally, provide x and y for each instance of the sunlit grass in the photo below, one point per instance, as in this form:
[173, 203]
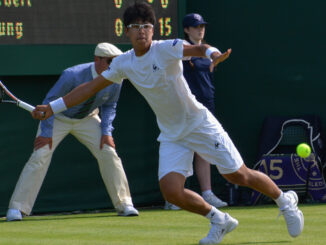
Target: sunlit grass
[257, 225]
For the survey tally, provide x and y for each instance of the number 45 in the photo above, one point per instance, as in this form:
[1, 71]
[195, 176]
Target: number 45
[165, 27]
[277, 171]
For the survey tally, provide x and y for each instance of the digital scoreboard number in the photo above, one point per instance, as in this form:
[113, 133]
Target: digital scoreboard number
[77, 21]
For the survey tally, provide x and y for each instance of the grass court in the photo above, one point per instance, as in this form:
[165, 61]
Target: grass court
[257, 226]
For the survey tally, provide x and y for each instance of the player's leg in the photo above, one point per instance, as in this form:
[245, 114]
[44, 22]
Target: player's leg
[287, 202]
[205, 144]
[88, 132]
[175, 165]
[172, 187]
[203, 173]
[220, 151]
[33, 173]
[255, 180]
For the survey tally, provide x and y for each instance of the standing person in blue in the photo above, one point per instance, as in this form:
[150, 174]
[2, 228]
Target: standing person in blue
[84, 123]
[200, 80]
[154, 68]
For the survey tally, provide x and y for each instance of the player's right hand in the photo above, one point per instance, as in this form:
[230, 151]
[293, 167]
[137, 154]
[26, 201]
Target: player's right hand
[218, 58]
[42, 112]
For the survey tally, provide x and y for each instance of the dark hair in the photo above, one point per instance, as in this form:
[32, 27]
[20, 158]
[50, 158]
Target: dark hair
[186, 37]
[140, 11]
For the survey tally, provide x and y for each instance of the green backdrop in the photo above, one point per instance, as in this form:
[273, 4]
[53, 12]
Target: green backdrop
[276, 68]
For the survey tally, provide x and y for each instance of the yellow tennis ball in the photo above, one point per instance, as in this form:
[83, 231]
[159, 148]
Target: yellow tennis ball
[303, 150]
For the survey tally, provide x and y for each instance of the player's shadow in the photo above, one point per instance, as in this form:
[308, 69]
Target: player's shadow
[62, 217]
[250, 243]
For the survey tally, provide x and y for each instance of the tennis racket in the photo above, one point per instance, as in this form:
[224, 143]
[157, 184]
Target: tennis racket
[4, 92]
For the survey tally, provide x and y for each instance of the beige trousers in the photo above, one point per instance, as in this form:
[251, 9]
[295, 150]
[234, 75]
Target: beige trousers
[88, 132]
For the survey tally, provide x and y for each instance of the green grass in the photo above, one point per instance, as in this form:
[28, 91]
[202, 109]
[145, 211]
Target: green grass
[258, 226]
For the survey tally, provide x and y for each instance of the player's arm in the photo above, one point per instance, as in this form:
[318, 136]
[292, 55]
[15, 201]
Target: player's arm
[75, 97]
[204, 50]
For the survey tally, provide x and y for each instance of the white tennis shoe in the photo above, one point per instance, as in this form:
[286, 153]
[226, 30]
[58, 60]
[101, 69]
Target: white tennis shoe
[14, 215]
[292, 214]
[214, 200]
[128, 210]
[170, 206]
[218, 231]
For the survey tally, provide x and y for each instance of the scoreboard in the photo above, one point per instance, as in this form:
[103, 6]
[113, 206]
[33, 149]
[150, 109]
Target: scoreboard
[77, 21]
[43, 37]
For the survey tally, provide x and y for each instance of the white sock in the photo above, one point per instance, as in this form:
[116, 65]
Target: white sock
[206, 193]
[215, 216]
[281, 201]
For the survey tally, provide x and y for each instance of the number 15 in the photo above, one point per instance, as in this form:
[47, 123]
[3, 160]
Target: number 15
[165, 27]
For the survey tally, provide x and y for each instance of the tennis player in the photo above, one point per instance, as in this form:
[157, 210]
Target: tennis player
[155, 69]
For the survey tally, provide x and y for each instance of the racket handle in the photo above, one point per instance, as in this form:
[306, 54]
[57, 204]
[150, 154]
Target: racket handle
[25, 106]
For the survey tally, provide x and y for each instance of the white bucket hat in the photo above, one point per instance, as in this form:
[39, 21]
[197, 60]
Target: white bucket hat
[106, 50]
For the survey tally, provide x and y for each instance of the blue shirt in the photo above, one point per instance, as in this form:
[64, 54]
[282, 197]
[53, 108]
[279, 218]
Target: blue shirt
[200, 80]
[105, 100]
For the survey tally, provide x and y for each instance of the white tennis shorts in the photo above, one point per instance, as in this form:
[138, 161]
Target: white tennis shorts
[209, 140]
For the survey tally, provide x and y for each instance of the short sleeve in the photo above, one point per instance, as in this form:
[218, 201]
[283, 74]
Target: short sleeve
[112, 73]
[185, 42]
[171, 49]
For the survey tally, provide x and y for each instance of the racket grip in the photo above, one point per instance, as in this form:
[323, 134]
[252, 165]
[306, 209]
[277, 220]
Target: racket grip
[25, 106]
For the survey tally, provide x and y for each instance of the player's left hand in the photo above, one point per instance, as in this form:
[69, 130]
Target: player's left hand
[218, 58]
[108, 140]
[42, 112]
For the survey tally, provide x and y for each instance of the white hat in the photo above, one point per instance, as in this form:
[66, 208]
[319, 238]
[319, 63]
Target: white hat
[106, 50]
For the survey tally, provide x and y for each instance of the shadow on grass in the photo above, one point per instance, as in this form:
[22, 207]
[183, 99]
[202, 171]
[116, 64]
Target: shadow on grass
[249, 243]
[102, 213]
[67, 216]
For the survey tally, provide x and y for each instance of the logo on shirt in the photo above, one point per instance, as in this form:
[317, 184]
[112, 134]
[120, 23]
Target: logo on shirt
[175, 42]
[155, 68]
[216, 144]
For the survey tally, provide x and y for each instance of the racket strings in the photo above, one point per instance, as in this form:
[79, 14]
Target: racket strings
[9, 101]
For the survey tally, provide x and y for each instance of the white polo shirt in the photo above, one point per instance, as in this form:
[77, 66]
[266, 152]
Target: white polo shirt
[158, 76]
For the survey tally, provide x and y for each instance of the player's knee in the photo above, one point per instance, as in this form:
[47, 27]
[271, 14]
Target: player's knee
[238, 178]
[172, 186]
[169, 192]
[172, 196]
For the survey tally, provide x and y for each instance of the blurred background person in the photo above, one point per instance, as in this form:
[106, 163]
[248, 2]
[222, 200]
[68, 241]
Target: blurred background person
[200, 80]
[83, 122]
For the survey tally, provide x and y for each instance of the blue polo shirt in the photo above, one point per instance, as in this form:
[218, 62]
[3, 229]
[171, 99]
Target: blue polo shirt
[105, 100]
[200, 80]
